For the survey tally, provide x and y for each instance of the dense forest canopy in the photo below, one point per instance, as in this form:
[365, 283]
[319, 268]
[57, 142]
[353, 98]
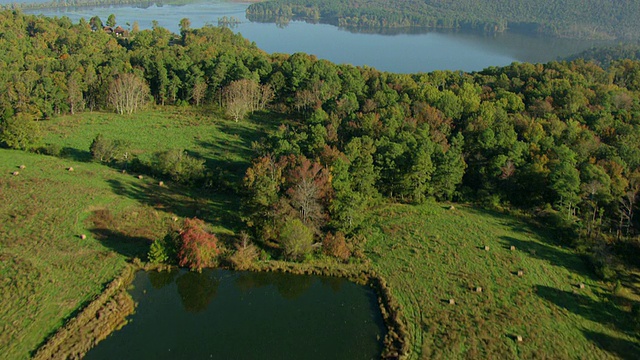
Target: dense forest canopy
[560, 139]
[568, 18]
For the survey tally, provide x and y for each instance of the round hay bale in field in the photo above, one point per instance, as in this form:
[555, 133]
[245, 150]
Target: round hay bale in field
[140, 177]
[581, 286]
[15, 173]
[478, 289]
[83, 237]
[161, 183]
[520, 272]
[518, 338]
[70, 169]
[452, 207]
[486, 248]
[452, 302]
[22, 167]
[512, 248]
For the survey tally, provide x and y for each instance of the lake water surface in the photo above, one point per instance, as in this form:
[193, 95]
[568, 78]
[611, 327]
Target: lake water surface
[243, 315]
[401, 52]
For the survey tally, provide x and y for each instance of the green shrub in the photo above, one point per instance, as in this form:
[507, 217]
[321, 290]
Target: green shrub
[296, 239]
[179, 166]
[107, 150]
[601, 267]
[165, 250]
[19, 132]
[51, 150]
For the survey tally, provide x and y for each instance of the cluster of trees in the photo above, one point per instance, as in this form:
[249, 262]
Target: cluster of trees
[561, 138]
[190, 246]
[573, 18]
[52, 66]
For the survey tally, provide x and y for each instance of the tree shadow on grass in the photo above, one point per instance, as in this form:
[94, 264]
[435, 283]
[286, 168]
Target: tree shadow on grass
[541, 243]
[129, 246]
[76, 154]
[624, 349]
[630, 280]
[603, 312]
[216, 209]
[550, 254]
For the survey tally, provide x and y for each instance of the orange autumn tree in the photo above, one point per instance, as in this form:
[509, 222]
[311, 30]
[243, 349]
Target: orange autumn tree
[198, 248]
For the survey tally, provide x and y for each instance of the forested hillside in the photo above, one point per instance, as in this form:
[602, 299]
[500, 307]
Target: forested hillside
[558, 143]
[572, 18]
[605, 56]
[560, 137]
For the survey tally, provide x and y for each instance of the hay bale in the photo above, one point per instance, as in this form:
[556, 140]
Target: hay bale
[70, 169]
[512, 248]
[478, 289]
[581, 286]
[520, 272]
[175, 218]
[486, 248]
[452, 302]
[15, 173]
[140, 177]
[83, 237]
[518, 338]
[452, 207]
[22, 167]
[161, 183]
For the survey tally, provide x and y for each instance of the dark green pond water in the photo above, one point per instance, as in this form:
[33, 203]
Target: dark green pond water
[220, 314]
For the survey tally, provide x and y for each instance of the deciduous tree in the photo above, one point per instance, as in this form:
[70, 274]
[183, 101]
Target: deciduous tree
[128, 93]
[245, 96]
[198, 248]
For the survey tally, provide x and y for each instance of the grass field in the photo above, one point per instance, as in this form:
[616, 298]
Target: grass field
[47, 272]
[430, 254]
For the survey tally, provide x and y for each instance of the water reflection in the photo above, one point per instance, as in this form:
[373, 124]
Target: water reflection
[289, 288]
[244, 315]
[160, 279]
[197, 289]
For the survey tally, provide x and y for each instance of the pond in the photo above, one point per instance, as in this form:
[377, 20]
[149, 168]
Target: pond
[419, 51]
[246, 315]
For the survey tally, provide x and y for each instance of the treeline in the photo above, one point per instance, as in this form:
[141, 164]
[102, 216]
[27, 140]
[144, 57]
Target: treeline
[605, 56]
[573, 18]
[60, 4]
[560, 140]
[51, 66]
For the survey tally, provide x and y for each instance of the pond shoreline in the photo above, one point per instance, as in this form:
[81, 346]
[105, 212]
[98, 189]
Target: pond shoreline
[110, 309]
[105, 314]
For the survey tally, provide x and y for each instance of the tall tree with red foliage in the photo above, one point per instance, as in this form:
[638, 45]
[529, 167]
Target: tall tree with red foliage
[198, 249]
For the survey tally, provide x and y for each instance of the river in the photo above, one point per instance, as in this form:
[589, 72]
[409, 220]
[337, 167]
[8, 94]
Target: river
[400, 52]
